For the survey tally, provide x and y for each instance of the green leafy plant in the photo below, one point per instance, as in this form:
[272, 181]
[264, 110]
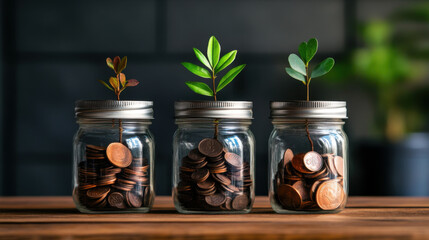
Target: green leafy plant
[214, 64]
[118, 83]
[299, 69]
[299, 66]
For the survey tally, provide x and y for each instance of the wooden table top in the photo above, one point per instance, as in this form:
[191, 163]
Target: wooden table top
[364, 218]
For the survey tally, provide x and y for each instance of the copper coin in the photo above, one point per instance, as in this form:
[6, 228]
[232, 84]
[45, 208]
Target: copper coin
[300, 187]
[228, 203]
[313, 161]
[200, 175]
[313, 189]
[208, 184]
[96, 148]
[196, 155]
[297, 163]
[288, 196]
[210, 147]
[116, 199]
[133, 200]
[119, 155]
[240, 202]
[222, 179]
[215, 200]
[288, 156]
[329, 159]
[98, 192]
[230, 188]
[339, 165]
[233, 159]
[329, 195]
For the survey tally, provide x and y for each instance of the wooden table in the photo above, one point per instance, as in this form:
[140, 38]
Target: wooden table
[364, 218]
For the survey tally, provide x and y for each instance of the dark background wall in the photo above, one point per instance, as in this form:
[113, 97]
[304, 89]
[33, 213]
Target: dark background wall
[54, 51]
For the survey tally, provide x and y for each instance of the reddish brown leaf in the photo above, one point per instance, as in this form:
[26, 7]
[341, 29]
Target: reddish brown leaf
[132, 83]
[116, 62]
[122, 79]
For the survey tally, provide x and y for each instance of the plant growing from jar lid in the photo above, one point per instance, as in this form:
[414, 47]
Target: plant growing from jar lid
[214, 64]
[119, 82]
[300, 69]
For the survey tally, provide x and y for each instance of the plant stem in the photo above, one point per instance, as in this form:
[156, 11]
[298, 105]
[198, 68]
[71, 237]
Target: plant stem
[216, 121]
[307, 84]
[120, 121]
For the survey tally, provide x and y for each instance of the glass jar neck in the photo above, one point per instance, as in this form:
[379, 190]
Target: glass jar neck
[311, 123]
[210, 123]
[111, 123]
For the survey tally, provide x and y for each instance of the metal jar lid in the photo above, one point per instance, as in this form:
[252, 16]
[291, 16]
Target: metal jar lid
[214, 109]
[309, 109]
[112, 109]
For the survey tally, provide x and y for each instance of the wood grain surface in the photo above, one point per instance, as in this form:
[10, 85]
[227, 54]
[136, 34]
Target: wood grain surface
[364, 218]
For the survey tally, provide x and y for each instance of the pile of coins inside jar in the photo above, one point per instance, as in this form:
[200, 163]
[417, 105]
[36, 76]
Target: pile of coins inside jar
[310, 181]
[112, 178]
[211, 178]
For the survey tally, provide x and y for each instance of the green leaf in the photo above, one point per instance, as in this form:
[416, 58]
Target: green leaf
[297, 64]
[197, 70]
[311, 49]
[323, 68]
[200, 88]
[202, 58]
[303, 51]
[229, 77]
[213, 51]
[295, 74]
[225, 61]
[110, 63]
[106, 85]
[114, 82]
[122, 64]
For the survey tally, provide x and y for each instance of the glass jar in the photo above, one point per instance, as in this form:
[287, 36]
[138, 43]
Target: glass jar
[113, 156]
[213, 157]
[308, 155]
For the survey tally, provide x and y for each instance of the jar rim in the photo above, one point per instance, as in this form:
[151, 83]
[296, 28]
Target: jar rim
[114, 109]
[308, 109]
[214, 109]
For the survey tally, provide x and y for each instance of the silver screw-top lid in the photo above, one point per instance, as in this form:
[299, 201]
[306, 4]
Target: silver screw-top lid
[112, 109]
[214, 109]
[309, 109]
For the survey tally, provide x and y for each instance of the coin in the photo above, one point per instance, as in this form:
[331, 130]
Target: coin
[233, 159]
[339, 165]
[200, 175]
[287, 157]
[301, 188]
[208, 184]
[222, 179]
[329, 195]
[240, 202]
[210, 147]
[116, 199]
[133, 200]
[216, 199]
[119, 155]
[289, 197]
[99, 192]
[195, 155]
[313, 161]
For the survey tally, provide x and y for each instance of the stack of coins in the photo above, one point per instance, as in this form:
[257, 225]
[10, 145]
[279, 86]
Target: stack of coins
[310, 181]
[111, 178]
[213, 179]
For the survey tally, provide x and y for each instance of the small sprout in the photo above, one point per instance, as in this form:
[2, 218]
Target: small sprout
[214, 63]
[299, 69]
[118, 83]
